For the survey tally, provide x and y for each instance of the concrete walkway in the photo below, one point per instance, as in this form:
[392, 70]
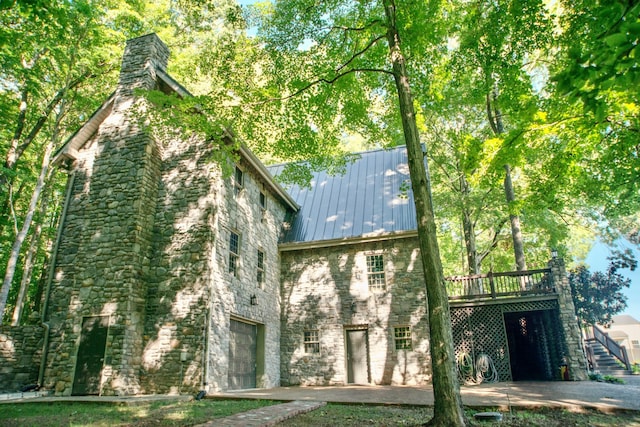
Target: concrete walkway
[604, 397]
[267, 416]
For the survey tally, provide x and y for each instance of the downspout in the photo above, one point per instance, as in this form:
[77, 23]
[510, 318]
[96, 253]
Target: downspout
[52, 264]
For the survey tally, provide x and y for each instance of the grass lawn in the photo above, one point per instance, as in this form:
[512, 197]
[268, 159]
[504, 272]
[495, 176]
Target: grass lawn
[157, 413]
[186, 413]
[334, 415]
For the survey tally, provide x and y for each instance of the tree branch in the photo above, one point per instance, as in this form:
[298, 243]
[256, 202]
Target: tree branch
[490, 117]
[326, 81]
[45, 113]
[369, 25]
[357, 54]
[24, 97]
[494, 242]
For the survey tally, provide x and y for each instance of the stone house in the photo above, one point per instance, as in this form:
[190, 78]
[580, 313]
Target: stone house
[354, 299]
[165, 271]
[167, 276]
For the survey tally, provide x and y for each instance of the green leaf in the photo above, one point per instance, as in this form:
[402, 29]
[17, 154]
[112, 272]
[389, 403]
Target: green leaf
[616, 39]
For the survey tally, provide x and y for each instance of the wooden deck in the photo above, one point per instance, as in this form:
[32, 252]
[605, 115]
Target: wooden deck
[507, 285]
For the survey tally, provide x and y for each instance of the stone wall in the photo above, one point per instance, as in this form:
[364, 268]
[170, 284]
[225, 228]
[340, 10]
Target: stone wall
[20, 352]
[258, 230]
[326, 289]
[104, 252]
[575, 357]
[181, 269]
[145, 242]
[191, 295]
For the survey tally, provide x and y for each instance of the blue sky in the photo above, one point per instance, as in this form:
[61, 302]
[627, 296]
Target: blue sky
[597, 261]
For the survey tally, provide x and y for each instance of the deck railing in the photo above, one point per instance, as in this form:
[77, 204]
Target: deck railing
[496, 285]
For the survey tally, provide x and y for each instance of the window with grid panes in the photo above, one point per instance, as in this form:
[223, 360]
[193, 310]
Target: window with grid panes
[260, 270]
[234, 253]
[311, 341]
[375, 272]
[402, 336]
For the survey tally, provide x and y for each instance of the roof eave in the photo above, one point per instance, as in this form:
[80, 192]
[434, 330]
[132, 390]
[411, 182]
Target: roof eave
[264, 174]
[369, 238]
[174, 85]
[69, 150]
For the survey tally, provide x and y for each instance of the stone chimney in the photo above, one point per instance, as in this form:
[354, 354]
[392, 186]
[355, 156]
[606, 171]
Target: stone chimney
[142, 57]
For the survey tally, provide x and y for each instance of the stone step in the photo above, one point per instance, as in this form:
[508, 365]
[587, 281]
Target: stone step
[607, 362]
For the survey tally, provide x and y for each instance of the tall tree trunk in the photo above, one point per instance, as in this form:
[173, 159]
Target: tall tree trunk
[495, 120]
[468, 229]
[470, 243]
[448, 410]
[20, 143]
[17, 244]
[32, 252]
[518, 244]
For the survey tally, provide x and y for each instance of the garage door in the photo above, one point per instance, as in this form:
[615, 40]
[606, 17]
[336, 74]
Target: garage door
[242, 355]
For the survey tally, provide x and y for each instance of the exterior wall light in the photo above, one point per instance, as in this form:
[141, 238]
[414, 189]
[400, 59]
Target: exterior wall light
[254, 300]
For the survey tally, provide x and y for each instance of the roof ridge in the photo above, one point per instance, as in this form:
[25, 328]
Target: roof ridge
[355, 153]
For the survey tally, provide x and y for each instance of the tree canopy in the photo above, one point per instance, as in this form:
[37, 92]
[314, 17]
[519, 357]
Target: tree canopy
[598, 296]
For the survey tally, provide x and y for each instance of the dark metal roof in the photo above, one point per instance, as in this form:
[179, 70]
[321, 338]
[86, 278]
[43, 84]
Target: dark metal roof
[366, 200]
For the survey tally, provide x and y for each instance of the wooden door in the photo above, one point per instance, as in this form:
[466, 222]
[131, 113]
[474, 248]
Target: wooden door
[357, 356]
[93, 340]
[242, 355]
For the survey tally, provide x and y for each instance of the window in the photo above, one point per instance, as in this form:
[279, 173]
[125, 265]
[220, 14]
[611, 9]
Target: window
[234, 253]
[375, 272]
[263, 200]
[260, 270]
[311, 341]
[635, 343]
[402, 336]
[238, 181]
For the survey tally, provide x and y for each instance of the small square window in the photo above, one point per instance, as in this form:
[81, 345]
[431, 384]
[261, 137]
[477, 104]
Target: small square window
[238, 181]
[402, 336]
[375, 272]
[260, 269]
[635, 343]
[311, 341]
[234, 253]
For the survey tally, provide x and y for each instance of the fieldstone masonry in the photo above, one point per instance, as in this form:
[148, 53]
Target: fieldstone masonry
[20, 354]
[575, 357]
[103, 256]
[326, 289]
[145, 242]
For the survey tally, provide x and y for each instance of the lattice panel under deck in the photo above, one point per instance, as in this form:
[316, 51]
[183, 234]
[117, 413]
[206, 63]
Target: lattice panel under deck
[481, 329]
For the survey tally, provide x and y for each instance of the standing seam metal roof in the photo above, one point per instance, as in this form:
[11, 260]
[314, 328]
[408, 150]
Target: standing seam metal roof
[366, 200]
